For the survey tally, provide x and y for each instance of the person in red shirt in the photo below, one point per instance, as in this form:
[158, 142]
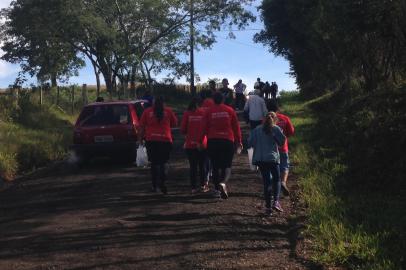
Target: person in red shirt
[207, 102]
[155, 127]
[222, 129]
[192, 127]
[288, 130]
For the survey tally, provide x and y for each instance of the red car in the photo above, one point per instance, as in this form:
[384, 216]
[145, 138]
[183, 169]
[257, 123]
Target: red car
[107, 129]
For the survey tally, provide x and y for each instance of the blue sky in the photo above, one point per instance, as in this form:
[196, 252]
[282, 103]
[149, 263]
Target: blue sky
[238, 58]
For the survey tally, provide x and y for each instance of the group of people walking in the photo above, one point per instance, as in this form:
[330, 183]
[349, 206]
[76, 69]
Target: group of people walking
[212, 137]
[267, 91]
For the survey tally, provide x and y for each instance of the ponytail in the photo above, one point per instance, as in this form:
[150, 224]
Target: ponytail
[159, 108]
[270, 122]
[193, 105]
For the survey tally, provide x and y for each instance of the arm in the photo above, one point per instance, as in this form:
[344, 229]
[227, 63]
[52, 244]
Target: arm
[278, 136]
[141, 127]
[290, 130]
[236, 128]
[173, 118]
[205, 126]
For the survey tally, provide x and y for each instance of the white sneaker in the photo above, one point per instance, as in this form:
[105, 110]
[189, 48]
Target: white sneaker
[223, 191]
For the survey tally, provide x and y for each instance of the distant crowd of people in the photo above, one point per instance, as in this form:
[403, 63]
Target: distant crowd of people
[213, 135]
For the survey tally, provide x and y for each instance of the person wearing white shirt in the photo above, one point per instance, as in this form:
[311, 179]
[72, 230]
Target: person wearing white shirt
[256, 109]
[239, 89]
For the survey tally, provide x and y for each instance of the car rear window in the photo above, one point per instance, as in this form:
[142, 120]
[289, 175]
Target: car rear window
[104, 115]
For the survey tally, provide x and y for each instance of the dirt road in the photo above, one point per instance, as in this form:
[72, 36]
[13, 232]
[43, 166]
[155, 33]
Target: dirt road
[103, 217]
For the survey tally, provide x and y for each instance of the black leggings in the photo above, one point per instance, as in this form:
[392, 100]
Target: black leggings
[197, 160]
[158, 155]
[221, 153]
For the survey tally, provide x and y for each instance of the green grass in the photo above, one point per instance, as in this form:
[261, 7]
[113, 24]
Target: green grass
[354, 225]
[33, 135]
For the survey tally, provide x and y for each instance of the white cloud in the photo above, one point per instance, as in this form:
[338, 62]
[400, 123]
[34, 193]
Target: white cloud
[7, 69]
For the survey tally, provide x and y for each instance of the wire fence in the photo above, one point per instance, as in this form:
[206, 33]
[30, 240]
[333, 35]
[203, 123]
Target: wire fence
[70, 99]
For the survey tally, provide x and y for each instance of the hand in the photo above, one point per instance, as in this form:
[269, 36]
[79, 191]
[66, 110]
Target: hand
[239, 148]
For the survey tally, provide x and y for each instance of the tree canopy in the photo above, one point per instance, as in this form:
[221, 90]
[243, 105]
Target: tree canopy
[123, 39]
[331, 42]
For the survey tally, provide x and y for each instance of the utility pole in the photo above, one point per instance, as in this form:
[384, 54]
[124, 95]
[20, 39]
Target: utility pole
[192, 62]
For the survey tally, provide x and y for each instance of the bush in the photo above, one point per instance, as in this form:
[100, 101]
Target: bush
[352, 174]
[8, 166]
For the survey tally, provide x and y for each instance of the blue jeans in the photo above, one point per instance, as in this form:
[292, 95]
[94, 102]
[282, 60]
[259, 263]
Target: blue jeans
[284, 165]
[271, 175]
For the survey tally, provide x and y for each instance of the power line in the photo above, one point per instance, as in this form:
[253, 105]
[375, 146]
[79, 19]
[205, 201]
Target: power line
[242, 43]
[239, 30]
[231, 30]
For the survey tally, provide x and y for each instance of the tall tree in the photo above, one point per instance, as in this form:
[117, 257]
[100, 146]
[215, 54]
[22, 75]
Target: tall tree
[39, 52]
[329, 43]
[126, 36]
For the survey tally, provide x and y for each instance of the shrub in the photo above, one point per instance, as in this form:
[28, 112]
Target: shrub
[8, 165]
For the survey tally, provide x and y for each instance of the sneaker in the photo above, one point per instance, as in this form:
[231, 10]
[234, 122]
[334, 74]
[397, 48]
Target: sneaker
[285, 189]
[278, 206]
[205, 188]
[223, 191]
[194, 191]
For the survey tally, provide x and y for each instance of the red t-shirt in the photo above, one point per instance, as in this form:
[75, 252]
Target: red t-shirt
[288, 130]
[221, 122]
[158, 130]
[192, 127]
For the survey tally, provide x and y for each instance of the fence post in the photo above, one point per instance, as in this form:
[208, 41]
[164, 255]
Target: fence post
[14, 93]
[40, 95]
[57, 95]
[73, 98]
[84, 94]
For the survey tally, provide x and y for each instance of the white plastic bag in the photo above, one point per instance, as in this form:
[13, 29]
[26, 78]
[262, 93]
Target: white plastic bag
[142, 158]
[250, 154]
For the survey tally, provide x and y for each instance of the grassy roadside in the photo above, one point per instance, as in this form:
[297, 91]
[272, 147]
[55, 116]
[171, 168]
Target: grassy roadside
[33, 135]
[355, 226]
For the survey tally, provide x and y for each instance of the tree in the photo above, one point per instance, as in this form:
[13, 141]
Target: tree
[329, 43]
[38, 51]
[125, 39]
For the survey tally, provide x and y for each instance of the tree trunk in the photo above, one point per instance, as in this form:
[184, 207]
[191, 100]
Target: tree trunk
[54, 82]
[108, 79]
[97, 74]
[132, 81]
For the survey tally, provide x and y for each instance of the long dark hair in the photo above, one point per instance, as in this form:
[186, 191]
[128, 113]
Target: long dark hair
[159, 108]
[270, 122]
[218, 98]
[194, 104]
